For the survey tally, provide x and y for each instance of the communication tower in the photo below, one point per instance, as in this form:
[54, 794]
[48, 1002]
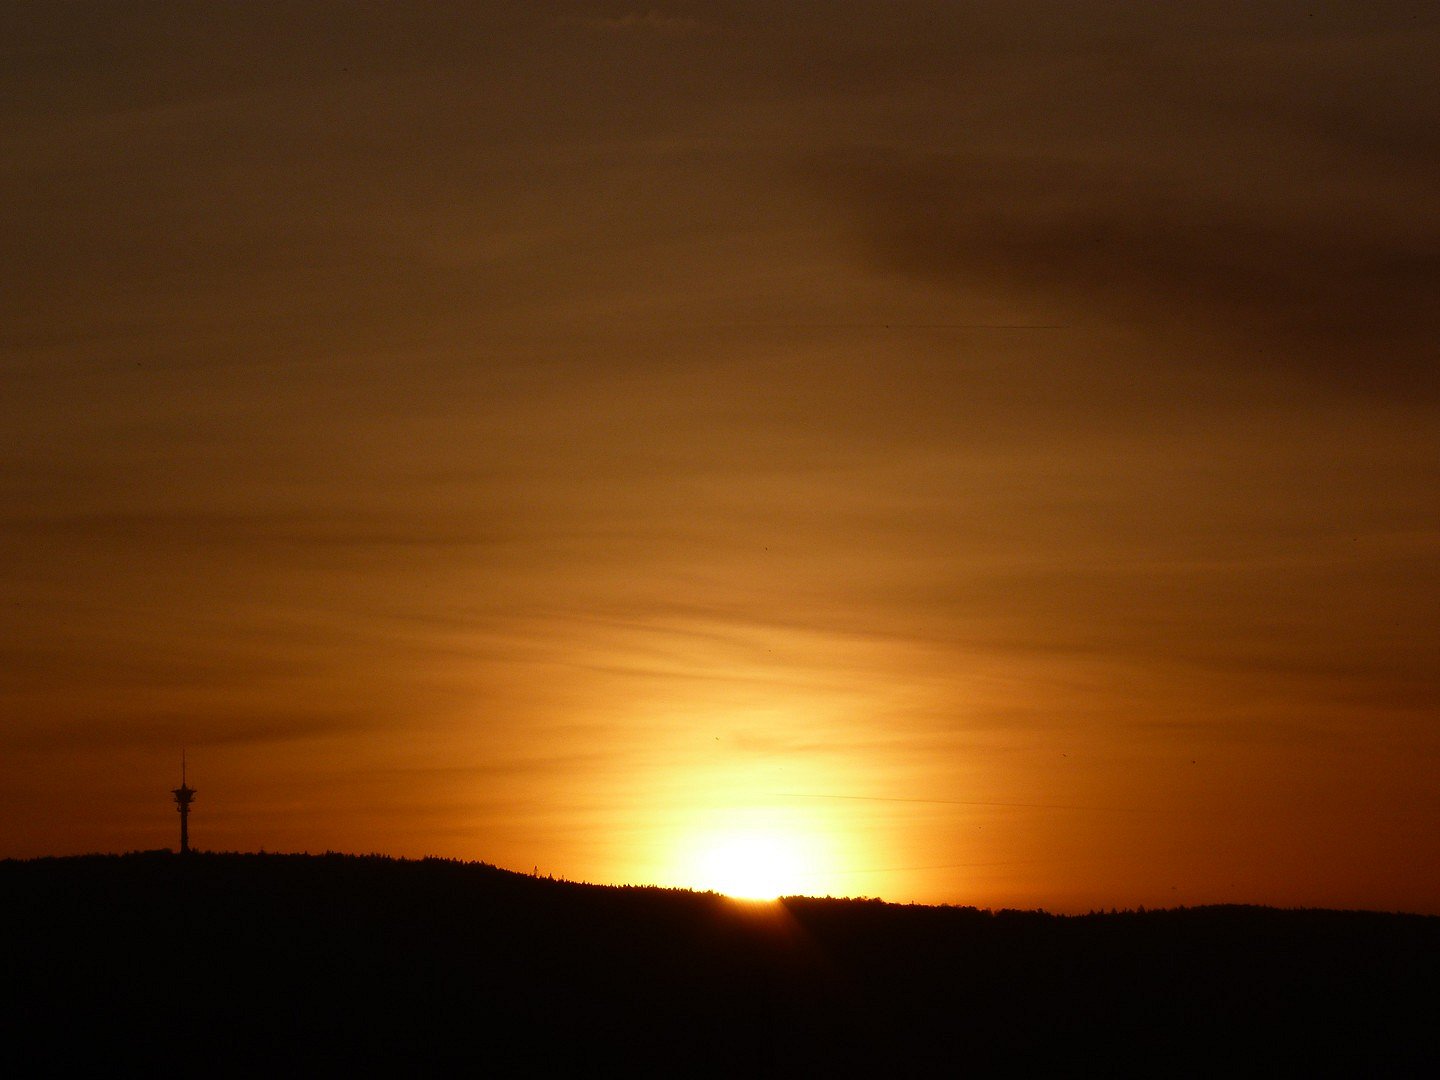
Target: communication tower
[184, 794]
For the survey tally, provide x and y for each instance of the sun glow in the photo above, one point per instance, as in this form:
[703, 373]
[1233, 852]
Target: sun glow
[755, 864]
[731, 831]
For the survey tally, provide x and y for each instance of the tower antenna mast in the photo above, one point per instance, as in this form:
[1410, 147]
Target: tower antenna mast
[184, 795]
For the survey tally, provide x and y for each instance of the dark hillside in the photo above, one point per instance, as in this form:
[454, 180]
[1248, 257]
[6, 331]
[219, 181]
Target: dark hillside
[232, 963]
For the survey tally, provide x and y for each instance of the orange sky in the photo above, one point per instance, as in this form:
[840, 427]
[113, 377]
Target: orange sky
[990, 450]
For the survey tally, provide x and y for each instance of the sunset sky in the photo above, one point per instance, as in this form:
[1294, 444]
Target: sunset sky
[984, 453]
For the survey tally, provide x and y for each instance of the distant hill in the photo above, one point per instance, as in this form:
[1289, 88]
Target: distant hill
[317, 964]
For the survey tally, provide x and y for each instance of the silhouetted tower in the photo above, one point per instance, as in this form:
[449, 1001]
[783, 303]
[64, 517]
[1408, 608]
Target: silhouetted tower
[183, 796]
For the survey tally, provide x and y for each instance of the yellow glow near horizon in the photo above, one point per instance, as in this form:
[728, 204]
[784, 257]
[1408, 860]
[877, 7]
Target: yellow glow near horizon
[748, 866]
[759, 860]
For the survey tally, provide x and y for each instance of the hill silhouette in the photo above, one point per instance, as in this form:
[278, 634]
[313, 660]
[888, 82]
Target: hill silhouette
[232, 963]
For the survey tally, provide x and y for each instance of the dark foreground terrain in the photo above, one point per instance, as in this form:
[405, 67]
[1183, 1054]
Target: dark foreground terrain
[282, 964]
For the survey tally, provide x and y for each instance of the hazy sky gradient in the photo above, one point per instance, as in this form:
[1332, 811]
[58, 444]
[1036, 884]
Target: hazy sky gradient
[999, 443]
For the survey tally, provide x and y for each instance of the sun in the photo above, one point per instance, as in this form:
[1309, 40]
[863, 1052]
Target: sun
[753, 864]
[754, 848]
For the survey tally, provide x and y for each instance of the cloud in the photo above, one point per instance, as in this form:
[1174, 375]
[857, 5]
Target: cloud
[185, 528]
[1162, 173]
[1341, 289]
[649, 20]
[122, 731]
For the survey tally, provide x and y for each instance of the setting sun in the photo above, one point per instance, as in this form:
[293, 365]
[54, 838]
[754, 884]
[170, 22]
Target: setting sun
[751, 867]
[756, 863]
